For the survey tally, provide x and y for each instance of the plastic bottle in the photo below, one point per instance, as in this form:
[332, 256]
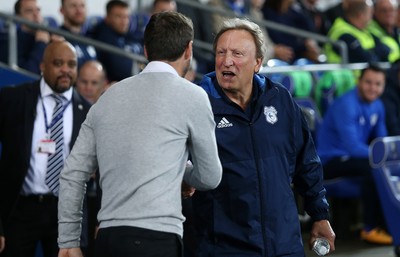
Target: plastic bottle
[321, 246]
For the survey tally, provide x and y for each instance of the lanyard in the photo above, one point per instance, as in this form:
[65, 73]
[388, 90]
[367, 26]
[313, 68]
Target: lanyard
[57, 118]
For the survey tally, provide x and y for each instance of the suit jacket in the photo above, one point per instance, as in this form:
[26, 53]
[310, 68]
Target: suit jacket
[17, 116]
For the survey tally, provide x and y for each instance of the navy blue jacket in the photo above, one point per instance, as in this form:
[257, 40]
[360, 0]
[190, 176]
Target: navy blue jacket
[263, 153]
[391, 100]
[30, 51]
[117, 67]
[292, 18]
[84, 52]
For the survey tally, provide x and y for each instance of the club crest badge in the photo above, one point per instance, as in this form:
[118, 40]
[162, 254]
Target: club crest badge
[271, 114]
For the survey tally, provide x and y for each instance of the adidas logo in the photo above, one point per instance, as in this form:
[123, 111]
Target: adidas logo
[224, 123]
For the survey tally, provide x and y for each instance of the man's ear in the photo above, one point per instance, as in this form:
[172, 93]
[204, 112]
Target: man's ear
[41, 67]
[145, 52]
[258, 65]
[189, 50]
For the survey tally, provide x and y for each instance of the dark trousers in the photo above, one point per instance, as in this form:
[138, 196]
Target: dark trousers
[33, 220]
[359, 167]
[137, 242]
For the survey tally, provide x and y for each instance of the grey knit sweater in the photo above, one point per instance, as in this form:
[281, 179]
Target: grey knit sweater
[139, 134]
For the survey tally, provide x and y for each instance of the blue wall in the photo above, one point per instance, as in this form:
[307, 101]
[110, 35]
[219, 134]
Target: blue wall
[9, 76]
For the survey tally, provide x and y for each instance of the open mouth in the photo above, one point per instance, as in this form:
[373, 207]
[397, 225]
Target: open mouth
[228, 74]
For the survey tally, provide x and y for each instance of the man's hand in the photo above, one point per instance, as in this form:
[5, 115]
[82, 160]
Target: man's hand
[70, 252]
[2, 243]
[320, 229]
[187, 191]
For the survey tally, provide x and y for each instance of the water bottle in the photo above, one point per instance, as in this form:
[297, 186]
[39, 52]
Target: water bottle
[321, 246]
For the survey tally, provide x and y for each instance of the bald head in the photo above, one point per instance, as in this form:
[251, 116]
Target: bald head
[93, 65]
[59, 66]
[91, 81]
[56, 46]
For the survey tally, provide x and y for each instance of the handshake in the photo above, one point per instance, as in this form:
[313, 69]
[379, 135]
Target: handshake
[187, 190]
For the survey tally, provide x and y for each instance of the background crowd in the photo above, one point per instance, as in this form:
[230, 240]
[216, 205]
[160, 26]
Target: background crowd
[369, 29]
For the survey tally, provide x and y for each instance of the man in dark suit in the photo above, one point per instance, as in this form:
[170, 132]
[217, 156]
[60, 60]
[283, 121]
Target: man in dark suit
[28, 120]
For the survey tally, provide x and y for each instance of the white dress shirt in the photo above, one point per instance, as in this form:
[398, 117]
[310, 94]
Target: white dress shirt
[35, 179]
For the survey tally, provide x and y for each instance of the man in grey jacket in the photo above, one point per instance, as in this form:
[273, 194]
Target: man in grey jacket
[139, 134]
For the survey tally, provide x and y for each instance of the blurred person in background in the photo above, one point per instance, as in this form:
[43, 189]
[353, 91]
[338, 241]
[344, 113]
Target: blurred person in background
[336, 11]
[91, 81]
[114, 30]
[74, 13]
[140, 19]
[350, 124]
[278, 51]
[39, 122]
[284, 12]
[30, 42]
[163, 6]
[384, 26]
[391, 100]
[362, 45]
[318, 19]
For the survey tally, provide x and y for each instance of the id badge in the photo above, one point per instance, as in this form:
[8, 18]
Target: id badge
[47, 146]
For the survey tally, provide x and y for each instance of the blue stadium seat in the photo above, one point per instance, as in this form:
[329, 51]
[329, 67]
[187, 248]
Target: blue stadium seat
[344, 195]
[299, 83]
[276, 77]
[311, 113]
[385, 162]
[332, 84]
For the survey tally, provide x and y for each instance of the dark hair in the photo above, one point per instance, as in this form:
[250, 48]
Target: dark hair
[115, 3]
[373, 67]
[17, 7]
[274, 4]
[167, 35]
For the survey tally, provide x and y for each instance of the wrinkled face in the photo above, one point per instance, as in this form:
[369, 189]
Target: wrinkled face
[90, 83]
[30, 10]
[74, 12]
[385, 12]
[59, 68]
[118, 19]
[371, 85]
[235, 60]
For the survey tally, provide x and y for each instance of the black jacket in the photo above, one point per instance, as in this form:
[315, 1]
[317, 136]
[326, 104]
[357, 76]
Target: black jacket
[17, 116]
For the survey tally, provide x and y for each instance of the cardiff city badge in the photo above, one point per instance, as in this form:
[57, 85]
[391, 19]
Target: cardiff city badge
[271, 114]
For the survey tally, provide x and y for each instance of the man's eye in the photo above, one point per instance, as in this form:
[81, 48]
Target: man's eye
[72, 64]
